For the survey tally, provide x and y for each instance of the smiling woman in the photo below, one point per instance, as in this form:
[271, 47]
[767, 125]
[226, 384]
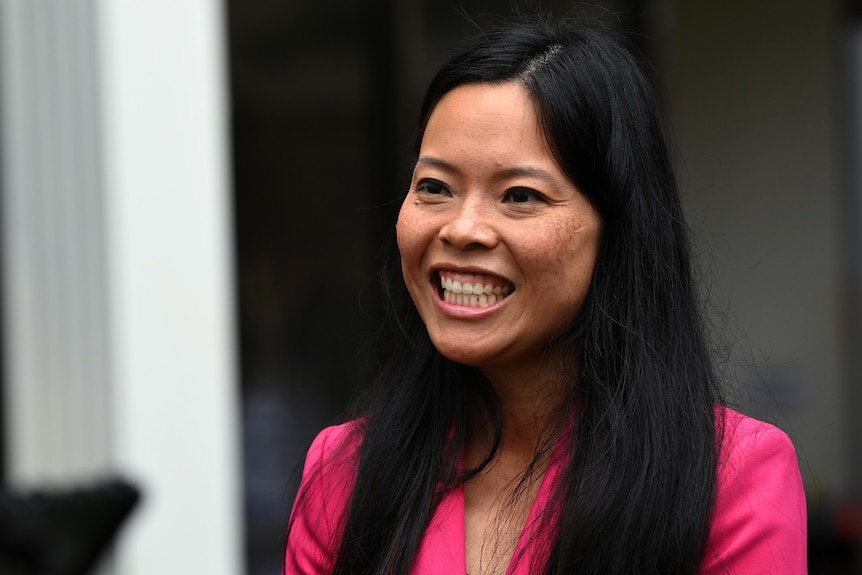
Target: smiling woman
[489, 206]
[549, 405]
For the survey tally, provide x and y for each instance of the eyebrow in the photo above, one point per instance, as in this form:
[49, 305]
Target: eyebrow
[514, 171]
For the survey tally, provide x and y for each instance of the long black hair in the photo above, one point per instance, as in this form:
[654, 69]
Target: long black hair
[637, 492]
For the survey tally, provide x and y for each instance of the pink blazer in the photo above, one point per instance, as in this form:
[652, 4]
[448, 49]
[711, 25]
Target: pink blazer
[759, 525]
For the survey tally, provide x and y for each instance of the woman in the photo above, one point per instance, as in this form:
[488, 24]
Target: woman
[549, 404]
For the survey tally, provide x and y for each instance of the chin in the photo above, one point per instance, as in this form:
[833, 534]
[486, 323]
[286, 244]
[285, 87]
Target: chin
[462, 356]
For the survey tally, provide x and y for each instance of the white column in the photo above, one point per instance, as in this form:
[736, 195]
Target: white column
[56, 332]
[853, 167]
[167, 213]
[117, 268]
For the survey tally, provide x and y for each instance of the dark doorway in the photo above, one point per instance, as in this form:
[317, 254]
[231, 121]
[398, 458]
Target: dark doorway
[324, 98]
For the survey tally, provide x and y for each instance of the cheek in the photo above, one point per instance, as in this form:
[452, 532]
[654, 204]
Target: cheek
[405, 234]
[568, 256]
[583, 237]
[410, 245]
[412, 249]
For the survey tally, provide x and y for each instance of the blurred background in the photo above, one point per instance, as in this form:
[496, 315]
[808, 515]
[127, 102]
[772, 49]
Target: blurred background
[196, 196]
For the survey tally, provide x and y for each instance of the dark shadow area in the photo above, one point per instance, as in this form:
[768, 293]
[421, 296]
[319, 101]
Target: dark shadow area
[324, 100]
[62, 532]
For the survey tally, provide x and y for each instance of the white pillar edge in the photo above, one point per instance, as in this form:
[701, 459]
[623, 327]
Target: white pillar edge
[852, 72]
[170, 268]
[56, 365]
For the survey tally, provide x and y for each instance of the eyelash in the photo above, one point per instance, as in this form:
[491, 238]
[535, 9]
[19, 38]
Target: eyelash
[533, 195]
[432, 187]
[437, 188]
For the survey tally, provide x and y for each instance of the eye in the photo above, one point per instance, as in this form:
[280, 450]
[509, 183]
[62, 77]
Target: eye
[523, 195]
[433, 187]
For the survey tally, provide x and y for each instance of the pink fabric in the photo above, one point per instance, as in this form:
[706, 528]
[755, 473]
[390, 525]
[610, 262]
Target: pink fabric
[760, 523]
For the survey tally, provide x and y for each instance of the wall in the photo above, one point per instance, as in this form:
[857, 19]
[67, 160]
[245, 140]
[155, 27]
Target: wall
[118, 326]
[753, 103]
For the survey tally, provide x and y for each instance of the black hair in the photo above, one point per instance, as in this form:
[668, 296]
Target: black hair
[638, 489]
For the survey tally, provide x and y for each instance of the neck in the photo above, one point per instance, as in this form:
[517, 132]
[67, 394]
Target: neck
[530, 399]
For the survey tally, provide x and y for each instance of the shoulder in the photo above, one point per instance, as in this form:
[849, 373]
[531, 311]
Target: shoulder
[759, 518]
[754, 455]
[332, 441]
[332, 457]
[315, 525]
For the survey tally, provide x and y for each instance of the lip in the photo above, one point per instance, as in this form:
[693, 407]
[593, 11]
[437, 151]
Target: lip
[460, 311]
[435, 269]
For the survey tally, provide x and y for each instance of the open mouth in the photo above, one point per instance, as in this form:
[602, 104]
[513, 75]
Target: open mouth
[472, 290]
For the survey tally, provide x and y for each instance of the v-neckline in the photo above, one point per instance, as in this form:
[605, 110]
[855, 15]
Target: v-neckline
[443, 549]
[519, 562]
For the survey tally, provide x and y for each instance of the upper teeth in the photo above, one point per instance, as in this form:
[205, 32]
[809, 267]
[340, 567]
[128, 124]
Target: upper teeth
[474, 295]
[467, 288]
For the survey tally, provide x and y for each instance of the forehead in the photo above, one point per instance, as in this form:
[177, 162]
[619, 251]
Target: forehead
[497, 119]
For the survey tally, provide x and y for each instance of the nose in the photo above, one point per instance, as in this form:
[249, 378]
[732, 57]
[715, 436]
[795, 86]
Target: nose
[469, 226]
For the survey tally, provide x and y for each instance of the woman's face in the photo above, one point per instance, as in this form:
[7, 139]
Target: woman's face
[497, 245]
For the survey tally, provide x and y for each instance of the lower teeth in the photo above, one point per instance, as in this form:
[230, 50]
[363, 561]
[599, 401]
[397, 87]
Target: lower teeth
[470, 300]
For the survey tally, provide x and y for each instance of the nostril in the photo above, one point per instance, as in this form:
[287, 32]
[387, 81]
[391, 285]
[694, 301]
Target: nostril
[468, 232]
